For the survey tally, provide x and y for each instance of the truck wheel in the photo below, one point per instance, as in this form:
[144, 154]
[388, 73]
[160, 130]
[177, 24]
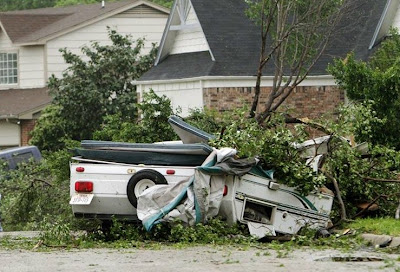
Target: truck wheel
[140, 182]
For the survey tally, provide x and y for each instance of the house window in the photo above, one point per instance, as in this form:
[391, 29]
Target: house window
[8, 68]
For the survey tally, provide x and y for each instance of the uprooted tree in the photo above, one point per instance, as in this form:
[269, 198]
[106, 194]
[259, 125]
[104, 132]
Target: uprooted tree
[294, 35]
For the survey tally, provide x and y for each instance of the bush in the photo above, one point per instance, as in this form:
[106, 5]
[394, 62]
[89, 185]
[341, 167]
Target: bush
[36, 192]
[152, 127]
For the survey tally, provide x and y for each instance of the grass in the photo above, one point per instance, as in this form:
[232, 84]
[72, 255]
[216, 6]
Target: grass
[122, 236]
[381, 226]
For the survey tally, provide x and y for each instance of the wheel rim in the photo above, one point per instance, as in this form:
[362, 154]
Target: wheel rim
[142, 185]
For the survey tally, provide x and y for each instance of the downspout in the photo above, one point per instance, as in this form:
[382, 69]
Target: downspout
[202, 93]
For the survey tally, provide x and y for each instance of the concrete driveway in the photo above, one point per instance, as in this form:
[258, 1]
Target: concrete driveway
[193, 259]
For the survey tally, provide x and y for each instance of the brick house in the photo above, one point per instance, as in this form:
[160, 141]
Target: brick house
[29, 52]
[209, 56]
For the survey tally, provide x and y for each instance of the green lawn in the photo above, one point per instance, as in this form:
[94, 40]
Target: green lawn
[388, 226]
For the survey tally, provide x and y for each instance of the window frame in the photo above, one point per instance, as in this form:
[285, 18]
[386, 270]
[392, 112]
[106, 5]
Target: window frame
[9, 66]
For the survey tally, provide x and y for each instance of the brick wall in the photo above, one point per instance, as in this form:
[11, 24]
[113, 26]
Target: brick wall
[26, 128]
[308, 102]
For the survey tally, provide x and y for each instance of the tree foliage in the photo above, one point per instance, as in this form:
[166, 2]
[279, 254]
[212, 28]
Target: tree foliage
[274, 145]
[93, 87]
[50, 132]
[7, 5]
[151, 127]
[361, 178]
[376, 82]
[294, 34]
[36, 191]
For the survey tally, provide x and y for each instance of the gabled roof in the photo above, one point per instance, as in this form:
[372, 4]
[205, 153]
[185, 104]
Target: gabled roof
[235, 41]
[14, 103]
[36, 26]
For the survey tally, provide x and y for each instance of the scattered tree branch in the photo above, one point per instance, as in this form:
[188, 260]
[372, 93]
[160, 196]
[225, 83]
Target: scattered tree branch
[43, 181]
[378, 179]
[397, 214]
[368, 206]
[343, 215]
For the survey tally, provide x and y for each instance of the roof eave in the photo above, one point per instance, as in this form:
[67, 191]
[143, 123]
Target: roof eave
[8, 117]
[139, 82]
[39, 42]
[29, 113]
[161, 55]
[165, 34]
[5, 31]
[376, 39]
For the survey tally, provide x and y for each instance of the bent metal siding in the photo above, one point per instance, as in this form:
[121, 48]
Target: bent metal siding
[311, 102]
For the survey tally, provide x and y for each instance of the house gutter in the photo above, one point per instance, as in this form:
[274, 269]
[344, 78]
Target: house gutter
[13, 119]
[217, 78]
[8, 117]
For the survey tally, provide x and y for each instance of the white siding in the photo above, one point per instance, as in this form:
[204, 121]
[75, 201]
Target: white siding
[190, 40]
[188, 93]
[396, 21]
[139, 27]
[10, 134]
[185, 95]
[5, 42]
[30, 64]
[31, 67]
[6, 46]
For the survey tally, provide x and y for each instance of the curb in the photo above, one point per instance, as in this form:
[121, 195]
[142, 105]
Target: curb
[19, 234]
[381, 240]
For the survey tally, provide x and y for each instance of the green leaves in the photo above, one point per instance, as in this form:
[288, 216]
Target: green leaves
[152, 127]
[375, 84]
[93, 87]
[36, 191]
[273, 144]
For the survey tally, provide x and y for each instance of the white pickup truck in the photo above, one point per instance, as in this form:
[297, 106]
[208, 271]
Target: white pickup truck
[108, 177]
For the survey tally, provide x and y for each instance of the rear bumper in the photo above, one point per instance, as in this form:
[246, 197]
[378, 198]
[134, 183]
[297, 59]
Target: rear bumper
[104, 206]
[124, 217]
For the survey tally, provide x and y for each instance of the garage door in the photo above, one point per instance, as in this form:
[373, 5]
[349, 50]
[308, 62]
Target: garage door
[9, 134]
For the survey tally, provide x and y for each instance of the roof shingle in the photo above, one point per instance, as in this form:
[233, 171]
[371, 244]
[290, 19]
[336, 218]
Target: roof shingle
[235, 41]
[14, 102]
[30, 26]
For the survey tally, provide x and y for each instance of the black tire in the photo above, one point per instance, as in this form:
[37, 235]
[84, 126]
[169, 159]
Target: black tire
[322, 233]
[143, 178]
[106, 227]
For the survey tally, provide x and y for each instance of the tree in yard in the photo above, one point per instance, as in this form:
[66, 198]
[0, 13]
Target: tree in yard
[6, 5]
[294, 36]
[152, 127]
[376, 82]
[93, 87]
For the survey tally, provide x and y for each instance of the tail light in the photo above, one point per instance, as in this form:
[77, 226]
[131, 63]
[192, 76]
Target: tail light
[170, 172]
[80, 169]
[84, 186]
[225, 191]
